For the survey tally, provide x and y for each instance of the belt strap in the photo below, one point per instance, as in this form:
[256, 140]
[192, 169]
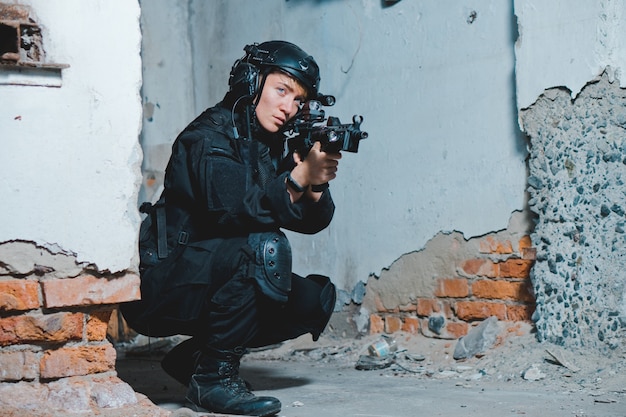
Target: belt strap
[161, 232]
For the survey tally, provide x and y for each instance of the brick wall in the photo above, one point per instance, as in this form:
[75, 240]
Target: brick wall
[54, 352]
[494, 282]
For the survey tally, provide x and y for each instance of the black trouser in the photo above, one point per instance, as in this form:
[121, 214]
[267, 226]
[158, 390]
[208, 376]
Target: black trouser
[239, 315]
[205, 291]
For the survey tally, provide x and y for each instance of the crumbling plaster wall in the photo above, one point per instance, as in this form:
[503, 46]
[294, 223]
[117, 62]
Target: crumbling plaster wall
[69, 177]
[454, 282]
[415, 275]
[70, 164]
[570, 63]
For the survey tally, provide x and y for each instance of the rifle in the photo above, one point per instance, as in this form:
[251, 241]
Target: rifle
[307, 128]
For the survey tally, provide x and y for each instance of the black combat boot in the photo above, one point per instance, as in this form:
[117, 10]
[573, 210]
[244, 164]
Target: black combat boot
[217, 387]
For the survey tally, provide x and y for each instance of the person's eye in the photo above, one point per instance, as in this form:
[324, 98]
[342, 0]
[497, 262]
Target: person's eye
[281, 90]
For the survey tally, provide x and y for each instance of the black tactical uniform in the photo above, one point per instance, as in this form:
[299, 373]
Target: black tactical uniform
[215, 265]
[210, 214]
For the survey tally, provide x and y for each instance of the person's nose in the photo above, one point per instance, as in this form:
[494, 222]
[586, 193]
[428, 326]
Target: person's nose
[288, 107]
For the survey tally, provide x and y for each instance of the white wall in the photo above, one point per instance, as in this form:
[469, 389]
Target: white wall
[168, 88]
[434, 81]
[567, 44]
[70, 160]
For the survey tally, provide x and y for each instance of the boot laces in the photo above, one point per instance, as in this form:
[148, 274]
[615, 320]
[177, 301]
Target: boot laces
[232, 381]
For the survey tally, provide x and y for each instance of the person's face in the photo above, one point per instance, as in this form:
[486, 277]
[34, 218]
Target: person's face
[279, 102]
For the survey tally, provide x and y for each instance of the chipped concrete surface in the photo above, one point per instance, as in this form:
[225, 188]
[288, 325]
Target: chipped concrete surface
[577, 172]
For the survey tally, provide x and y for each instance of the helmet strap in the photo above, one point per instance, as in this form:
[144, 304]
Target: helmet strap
[260, 86]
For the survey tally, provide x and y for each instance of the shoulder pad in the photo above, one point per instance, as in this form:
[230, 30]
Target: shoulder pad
[216, 117]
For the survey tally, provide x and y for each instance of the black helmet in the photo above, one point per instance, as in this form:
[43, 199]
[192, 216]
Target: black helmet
[282, 55]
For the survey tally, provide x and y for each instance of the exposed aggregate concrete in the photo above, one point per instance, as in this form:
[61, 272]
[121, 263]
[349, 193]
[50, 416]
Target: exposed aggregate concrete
[577, 169]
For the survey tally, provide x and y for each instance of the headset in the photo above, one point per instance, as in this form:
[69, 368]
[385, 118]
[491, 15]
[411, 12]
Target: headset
[247, 75]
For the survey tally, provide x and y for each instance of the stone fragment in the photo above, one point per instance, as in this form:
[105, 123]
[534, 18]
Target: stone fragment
[533, 373]
[436, 323]
[478, 340]
[113, 394]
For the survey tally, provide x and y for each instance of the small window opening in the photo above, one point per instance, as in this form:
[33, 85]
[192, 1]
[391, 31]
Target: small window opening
[8, 43]
[22, 55]
[20, 37]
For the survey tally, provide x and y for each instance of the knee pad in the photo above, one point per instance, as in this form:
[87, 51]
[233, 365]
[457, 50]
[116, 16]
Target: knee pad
[271, 266]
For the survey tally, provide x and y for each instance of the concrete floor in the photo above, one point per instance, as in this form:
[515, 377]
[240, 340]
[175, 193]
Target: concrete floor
[312, 388]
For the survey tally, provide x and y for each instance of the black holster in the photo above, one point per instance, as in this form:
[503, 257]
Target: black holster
[164, 229]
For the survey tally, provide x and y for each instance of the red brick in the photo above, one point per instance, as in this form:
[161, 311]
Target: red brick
[80, 360]
[515, 268]
[452, 287]
[19, 295]
[377, 325]
[529, 253]
[58, 327]
[520, 312]
[479, 310]
[90, 290]
[427, 306]
[502, 290]
[479, 267]
[491, 245]
[456, 329]
[393, 324]
[525, 243]
[97, 325]
[447, 309]
[18, 365]
[411, 325]
[408, 308]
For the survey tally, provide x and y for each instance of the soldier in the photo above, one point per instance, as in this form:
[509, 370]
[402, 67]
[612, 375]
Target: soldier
[215, 264]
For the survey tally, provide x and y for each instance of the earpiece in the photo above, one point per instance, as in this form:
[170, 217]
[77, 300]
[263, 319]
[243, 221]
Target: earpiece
[244, 78]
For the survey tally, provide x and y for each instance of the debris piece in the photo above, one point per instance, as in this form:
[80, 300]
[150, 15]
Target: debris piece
[386, 345]
[184, 412]
[476, 376]
[478, 340]
[414, 357]
[560, 359]
[384, 353]
[533, 373]
[445, 374]
[605, 401]
[368, 362]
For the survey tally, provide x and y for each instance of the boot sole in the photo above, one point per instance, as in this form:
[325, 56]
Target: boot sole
[203, 412]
